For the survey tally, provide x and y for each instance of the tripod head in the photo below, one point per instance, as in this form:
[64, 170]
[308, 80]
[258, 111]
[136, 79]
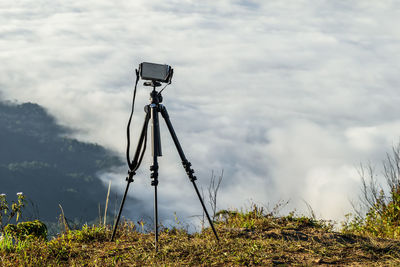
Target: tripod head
[155, 97]
[152, 83]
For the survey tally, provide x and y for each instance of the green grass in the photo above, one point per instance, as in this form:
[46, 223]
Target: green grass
[246, 238]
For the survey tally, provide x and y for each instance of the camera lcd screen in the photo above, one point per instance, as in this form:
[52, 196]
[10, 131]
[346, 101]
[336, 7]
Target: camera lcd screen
[156, 72]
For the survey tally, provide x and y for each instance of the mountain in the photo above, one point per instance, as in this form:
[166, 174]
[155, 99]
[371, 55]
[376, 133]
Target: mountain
[37, 158]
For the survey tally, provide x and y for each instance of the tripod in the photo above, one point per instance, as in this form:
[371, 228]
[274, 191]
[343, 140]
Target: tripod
[152, 111]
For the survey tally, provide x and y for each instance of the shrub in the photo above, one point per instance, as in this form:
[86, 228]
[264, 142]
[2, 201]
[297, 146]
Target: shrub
[27, 230]
[382, 203]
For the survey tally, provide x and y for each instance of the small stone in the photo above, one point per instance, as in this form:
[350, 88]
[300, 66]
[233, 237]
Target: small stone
[318, 261]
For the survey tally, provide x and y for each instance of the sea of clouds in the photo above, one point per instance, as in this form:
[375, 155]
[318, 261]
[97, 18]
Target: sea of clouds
[287, 97]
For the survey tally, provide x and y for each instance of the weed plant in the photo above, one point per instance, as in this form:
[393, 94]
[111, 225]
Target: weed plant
[9, 212]
[382, 202]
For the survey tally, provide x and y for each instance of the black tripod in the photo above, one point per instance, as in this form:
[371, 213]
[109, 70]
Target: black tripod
[152, 111]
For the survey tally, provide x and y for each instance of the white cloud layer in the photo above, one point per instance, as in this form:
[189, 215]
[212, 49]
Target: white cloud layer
[285, 96]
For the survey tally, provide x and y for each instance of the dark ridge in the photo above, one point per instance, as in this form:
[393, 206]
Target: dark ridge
[36, 158]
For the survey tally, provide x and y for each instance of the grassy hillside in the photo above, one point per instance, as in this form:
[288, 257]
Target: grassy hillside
[251, 238]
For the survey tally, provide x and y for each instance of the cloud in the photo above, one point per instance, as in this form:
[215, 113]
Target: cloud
[285, 96]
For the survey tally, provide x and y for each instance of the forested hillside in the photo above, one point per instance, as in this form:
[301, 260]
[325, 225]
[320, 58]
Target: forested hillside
[37, 158]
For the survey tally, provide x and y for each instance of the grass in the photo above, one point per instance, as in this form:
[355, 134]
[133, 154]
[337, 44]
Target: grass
[249, 238]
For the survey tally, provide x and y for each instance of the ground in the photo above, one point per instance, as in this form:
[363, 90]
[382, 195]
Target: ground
[251, 238]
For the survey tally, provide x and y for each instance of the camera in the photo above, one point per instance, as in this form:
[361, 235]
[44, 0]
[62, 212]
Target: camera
[155, 72]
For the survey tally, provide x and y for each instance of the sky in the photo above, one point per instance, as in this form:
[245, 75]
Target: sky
[286, 97]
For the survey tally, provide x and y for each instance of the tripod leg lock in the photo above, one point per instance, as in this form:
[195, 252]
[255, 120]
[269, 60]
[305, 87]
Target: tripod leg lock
[129, 179]
[154, 174]
[154, 168]
[189, 171]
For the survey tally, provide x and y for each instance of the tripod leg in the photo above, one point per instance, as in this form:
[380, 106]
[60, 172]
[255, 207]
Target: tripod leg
[133, 166]
[155, 216]
[137, 158]
[156, 147]
[129, 179]
[186, 164]
[154, 182]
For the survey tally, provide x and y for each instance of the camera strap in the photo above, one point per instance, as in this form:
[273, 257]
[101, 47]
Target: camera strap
[131, 167]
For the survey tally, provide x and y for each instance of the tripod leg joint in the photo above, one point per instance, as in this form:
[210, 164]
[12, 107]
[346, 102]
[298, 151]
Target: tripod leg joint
[154, 168]
[189, 171]
[129, 179]
[154, 174]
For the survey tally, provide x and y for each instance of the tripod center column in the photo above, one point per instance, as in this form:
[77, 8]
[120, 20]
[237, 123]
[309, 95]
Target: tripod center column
[155, 125]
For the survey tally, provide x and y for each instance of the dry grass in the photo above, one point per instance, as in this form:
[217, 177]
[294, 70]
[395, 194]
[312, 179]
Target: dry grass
[246, 239]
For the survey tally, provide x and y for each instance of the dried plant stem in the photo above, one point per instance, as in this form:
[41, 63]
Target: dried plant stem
[66, 227]
[105, 209]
